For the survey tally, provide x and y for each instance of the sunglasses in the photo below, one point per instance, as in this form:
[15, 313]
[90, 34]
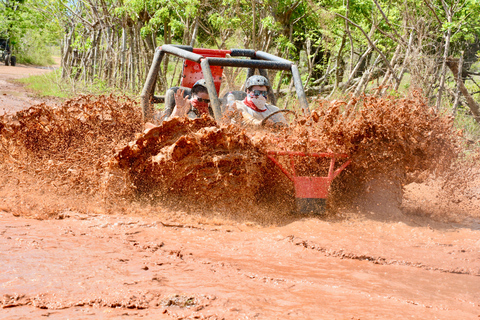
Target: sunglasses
[260, 92]
[203, 100]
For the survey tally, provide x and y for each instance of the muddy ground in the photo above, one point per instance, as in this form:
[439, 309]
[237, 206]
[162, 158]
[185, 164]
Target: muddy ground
[387, 256]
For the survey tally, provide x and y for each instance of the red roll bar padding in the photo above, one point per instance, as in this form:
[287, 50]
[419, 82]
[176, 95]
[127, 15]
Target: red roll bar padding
[310, 187]
[192, 71]
[211, 52]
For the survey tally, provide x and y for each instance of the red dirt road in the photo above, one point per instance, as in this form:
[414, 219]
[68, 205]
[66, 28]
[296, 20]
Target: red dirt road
[13, 97]
[375, 263]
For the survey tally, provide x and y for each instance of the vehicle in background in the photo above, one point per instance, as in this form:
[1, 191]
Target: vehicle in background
[6, 54]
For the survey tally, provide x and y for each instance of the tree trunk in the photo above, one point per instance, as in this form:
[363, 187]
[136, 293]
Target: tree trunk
[459, 80]
[67, 53]
[339, 66]
[365, 78]
[405, 59]
[354, 71]
[254, 31]
[167, 39]
[123, 62]
[388, 75]
[195, 30]
[444, 69]
[132, 59]
[472, 104]
[449, 14]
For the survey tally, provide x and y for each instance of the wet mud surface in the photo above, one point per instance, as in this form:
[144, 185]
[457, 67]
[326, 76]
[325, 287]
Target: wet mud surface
[190, 220]
[91, 266]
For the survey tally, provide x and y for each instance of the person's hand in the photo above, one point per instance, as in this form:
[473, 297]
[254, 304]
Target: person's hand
[182, 103]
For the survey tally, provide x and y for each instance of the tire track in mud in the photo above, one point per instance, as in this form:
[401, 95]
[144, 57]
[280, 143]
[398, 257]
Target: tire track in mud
[342, 254]
[285, 283]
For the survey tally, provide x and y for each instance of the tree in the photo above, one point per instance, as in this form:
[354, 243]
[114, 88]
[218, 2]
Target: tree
[339, 46]
[30, 32]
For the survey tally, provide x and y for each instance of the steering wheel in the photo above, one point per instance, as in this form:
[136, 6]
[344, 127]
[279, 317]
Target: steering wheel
[264, 121]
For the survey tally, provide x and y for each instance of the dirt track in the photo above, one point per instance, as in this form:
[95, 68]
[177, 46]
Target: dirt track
[375, 263]
[12, 96]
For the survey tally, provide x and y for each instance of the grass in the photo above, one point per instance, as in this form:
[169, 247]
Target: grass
[51, 84]
[46, 85]
[38, 55]
[37, 60]
[465, 122]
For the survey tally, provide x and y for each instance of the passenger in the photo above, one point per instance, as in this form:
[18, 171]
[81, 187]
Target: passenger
[196, 106]
[254, 108]
[193, 107]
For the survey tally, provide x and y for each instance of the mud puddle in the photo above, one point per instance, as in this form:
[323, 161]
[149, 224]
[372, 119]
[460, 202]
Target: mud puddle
[90, 266]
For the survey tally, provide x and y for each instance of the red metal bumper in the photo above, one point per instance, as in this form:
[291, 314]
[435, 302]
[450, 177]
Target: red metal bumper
[310, 192]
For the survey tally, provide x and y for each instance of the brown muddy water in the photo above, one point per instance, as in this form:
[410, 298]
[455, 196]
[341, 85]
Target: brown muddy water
[190, 220]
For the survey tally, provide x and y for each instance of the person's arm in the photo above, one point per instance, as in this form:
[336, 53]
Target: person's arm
[182, 105]
[248, 119]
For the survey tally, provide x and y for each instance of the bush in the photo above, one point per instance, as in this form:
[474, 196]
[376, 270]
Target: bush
[32, 49]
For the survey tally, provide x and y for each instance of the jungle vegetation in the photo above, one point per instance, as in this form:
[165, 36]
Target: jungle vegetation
[342, 47]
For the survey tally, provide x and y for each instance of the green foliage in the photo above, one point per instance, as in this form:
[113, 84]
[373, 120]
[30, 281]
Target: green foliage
[51, 84]
[46, 85]
[156, 13]
[465, 122]
[31, 33]
[220, 21]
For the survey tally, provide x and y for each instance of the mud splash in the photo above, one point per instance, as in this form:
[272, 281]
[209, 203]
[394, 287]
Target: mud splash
[67, 145]
[389, 139]
[453, 195]
[191, 161]
[93, 146]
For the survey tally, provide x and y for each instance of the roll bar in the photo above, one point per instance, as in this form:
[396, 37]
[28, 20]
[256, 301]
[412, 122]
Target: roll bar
[210, 57]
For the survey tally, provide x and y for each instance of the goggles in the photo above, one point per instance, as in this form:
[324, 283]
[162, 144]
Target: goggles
[259, 92]
[202, 100]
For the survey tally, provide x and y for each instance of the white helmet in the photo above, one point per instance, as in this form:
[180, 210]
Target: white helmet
[201, 83]
[256, 81]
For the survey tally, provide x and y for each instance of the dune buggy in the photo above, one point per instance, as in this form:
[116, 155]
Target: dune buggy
[200, 63]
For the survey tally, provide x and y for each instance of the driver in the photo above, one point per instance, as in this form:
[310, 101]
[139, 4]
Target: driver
[254, 108]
